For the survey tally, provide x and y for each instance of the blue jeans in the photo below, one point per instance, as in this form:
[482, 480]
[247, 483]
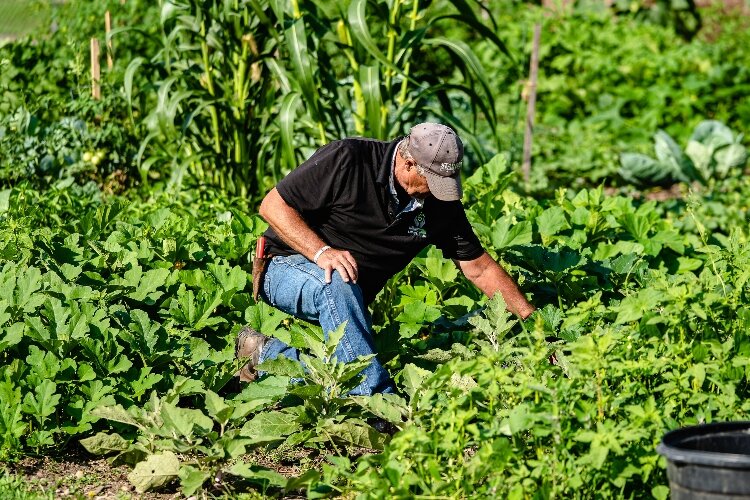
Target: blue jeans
[297, 286]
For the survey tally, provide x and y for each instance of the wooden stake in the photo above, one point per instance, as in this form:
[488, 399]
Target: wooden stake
[107, 30]
[96, 72]
[531, 109]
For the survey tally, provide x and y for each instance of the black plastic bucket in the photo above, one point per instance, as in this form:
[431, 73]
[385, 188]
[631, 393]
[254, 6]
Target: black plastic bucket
[708, 462]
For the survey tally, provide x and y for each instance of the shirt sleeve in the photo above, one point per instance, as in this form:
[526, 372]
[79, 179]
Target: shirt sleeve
[313, 187]
[454, 235]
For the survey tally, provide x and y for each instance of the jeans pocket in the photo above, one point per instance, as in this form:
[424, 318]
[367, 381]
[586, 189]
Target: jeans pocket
[278, 269]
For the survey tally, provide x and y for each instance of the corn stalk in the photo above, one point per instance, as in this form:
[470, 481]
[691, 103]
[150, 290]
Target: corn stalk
[242, 90]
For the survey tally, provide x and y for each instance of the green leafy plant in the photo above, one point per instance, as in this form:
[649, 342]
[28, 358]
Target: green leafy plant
[122, 299]
[681, 15]
[167, 431]
[712, 152]
[117, 319]
[715, 149]
[320, 409]
[315, 411]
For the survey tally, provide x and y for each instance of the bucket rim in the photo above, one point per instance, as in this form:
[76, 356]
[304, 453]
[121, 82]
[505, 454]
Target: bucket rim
[669, 446]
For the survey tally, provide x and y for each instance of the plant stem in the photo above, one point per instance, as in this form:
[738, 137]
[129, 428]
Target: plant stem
[405, 81]
[393, 19]
[345, 38]
[210, 86]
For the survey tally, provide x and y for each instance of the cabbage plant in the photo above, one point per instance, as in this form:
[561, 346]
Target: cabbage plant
[712, 151]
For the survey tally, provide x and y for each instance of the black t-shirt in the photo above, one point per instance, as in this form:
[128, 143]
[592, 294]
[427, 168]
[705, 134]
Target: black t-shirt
[343, 193]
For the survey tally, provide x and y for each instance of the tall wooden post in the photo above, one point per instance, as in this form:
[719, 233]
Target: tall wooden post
[107, 30]
[531, 109]
[96, 72]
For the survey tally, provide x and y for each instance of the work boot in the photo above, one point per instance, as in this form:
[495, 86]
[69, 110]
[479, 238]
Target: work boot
[249, 344]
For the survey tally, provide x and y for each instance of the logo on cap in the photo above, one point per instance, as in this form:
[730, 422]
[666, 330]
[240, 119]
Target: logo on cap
[450, 167]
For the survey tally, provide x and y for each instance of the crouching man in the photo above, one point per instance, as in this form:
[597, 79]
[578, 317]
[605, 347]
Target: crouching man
[350, 217]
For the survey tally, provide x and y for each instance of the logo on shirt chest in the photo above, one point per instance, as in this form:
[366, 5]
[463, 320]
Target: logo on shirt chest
[417, 226]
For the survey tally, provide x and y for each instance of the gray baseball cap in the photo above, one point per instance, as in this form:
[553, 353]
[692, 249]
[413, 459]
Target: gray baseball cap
[438, 150]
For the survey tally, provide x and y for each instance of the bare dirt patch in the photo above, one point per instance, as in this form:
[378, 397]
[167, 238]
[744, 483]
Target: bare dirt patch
[674, 192]
[79, 475]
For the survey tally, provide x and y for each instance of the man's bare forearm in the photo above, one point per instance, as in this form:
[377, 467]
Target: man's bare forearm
[491, 278]
[292, 228]
[289, 225]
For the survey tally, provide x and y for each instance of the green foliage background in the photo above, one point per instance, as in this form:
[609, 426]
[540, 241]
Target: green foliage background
[127, 226]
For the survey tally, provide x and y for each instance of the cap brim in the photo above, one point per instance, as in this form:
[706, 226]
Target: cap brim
[444, 188]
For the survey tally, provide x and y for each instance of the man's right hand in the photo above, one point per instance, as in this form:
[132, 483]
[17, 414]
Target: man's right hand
[341, 261]
[296, 233]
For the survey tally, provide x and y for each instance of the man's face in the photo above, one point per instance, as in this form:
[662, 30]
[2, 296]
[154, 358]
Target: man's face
[414, 183]
[418, 188]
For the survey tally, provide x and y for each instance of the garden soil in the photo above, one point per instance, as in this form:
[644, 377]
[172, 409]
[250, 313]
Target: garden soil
[80, 475]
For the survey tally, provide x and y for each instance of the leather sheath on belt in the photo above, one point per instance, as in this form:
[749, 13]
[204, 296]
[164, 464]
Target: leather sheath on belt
[260, 263]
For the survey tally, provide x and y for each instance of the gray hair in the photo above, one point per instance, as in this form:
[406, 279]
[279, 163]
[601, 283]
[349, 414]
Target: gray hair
[403, 150]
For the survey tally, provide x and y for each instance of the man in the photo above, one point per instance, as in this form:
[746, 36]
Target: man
[352, 216]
